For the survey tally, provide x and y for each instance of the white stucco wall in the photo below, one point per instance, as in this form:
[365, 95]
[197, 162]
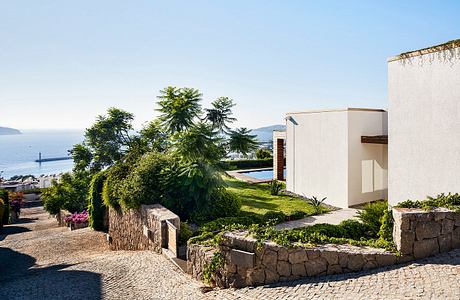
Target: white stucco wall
[324, 156]
[424, 126]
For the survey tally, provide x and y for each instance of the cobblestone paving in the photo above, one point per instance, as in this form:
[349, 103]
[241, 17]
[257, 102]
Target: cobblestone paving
[39, 260]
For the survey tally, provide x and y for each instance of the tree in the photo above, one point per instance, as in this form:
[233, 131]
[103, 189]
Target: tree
[106, 141]
[241, 141]
[263, 154]
[179, 107]
[155, 136]
[199, 143]
[220, 115]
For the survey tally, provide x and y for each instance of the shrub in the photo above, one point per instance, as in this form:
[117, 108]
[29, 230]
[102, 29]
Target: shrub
[185, 233]
[221, 223]
[354, 229]
[111, 190]
[2, 208]
[6, 211]
[296, 215]
[386, 228]
[372, 214]
[275, 216]
[96, 207]
[451, 201]
[275, 187]
[246, 164]
[263, 154]
[224, 203]
[317, 204]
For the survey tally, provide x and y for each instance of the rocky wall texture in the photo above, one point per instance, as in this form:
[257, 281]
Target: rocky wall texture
[140, 229]
[245, 264]
[61, 215]
[418, 233]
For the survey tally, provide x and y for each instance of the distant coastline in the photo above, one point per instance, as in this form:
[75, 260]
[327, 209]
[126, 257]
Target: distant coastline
[9, 131]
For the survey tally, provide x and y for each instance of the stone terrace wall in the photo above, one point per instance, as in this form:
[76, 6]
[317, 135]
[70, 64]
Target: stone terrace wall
[420, 233]
[140, 229]
[61, 215]
[247, 265]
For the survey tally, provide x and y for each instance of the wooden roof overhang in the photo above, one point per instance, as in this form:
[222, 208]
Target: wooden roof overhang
[376, 139]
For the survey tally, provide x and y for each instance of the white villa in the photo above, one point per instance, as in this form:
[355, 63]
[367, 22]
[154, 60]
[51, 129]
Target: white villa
[356, 155]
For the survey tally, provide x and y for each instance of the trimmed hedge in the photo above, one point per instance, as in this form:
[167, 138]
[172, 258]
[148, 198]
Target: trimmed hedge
[96, 207]
[6, 211]
[246, 164]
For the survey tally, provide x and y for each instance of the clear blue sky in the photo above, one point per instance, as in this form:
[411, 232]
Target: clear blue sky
[64, 62]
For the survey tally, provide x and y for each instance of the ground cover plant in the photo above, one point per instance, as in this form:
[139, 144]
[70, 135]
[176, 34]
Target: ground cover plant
[451, 201]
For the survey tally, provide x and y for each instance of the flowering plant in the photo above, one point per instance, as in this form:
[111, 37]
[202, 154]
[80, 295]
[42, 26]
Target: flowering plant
[77, 218]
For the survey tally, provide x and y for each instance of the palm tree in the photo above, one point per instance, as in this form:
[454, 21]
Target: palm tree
[179, 107]
[220, 115]
[241, 141]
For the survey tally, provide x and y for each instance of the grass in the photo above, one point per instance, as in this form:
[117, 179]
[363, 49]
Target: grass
[256, 199]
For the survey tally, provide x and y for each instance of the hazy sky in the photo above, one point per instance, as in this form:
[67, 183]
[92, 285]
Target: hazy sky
[64, 62]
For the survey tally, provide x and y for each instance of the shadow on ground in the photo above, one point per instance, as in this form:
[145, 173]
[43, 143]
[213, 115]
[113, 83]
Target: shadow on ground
[20, 280]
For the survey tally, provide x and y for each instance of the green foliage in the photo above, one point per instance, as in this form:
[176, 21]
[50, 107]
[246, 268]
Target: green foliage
[96, 207]
[246, 164]
[185, 233]
[106, 141]
[317, 204]
[451, 201]
[69, 193]
[179, 107]
[220, 115]
[113, 185]
[241, 141]
[154, 137]
[263, 154]
[210, 269]
[386, 227]
[372, 215]
[275, 187]
[6, 211]
[199, 143]
[223, 204]
[275, 216]
[221, 223]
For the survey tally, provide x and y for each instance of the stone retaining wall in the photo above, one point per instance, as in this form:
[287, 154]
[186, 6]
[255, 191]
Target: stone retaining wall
[421, 233]
[248, 265]
[141, 229]
[61, 215]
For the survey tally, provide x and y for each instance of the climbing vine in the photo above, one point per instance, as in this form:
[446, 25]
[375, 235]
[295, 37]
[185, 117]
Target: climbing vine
[445, 52]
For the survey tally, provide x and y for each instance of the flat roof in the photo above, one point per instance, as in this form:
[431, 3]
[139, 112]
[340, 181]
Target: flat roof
[437, 48]
[336, 110]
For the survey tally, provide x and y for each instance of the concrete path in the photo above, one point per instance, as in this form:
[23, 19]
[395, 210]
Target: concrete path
[333, 217]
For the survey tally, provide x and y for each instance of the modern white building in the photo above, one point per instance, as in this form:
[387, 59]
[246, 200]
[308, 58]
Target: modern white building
[424, 123]
[340, 154]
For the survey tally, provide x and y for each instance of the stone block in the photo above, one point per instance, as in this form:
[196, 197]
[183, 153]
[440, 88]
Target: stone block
[427, 230]
[298, 270]
[425, 248]
[283, 254]
[445, 242]
[297, 256]
[316, 266]
[242, 258]
[331, 256]
[355, 262]
[313, 254]
[404, 241]
[385, 260]
[334, 269]
[230, 268]
[256, 276]
[370, 265]
[271, 277]
[270, 259]
[456, 238]
[343, 259]
[447, 226]
[283, 268]
[457, 218]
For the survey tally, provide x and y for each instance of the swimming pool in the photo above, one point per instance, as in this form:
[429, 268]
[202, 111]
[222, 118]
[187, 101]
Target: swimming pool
[263, 174]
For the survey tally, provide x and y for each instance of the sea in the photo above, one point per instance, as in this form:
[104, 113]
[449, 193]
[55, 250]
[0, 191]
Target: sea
[19, 152]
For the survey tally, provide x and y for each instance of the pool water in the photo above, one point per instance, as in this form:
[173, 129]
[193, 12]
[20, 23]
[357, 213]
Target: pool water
[263, 174]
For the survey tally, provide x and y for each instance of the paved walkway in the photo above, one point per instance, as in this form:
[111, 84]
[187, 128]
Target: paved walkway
[39, 260]
[333, 217]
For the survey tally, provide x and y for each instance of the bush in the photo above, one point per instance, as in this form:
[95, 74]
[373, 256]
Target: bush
[223, 203]
[2, 208]
[221, 223]
[111, 190]
[451, 201]
[96, 207]
[372, 214]
[246, 164]
[296, 215]
[263, 154]
[386, 229]
[6, 211]
[275, 187]
[185, 233]
[275, 216]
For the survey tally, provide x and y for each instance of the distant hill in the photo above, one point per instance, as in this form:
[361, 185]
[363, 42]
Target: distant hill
[8, 131]
[265, 134]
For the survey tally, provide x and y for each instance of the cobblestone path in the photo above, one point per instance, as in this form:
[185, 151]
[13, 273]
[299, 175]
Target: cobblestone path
[39, 260]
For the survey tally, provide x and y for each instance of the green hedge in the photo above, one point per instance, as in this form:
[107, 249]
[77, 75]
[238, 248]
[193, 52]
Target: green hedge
[246, 164]
[96, 207]
[6, 210]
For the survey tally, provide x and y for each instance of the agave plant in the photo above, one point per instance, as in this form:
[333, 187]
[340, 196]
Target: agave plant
[317, 203]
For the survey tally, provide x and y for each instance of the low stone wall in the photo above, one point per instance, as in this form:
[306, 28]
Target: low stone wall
[245, 264]
[141, 229]
[419, 233]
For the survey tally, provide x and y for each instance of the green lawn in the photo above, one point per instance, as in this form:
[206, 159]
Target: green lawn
[256, 199]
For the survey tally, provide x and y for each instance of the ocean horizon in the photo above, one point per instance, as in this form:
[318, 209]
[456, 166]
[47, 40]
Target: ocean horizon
[19, 152]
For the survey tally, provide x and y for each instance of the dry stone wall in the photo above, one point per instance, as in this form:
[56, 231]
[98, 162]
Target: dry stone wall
[245, 264]
[60, 216]
[141, 229]
[418, 233]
